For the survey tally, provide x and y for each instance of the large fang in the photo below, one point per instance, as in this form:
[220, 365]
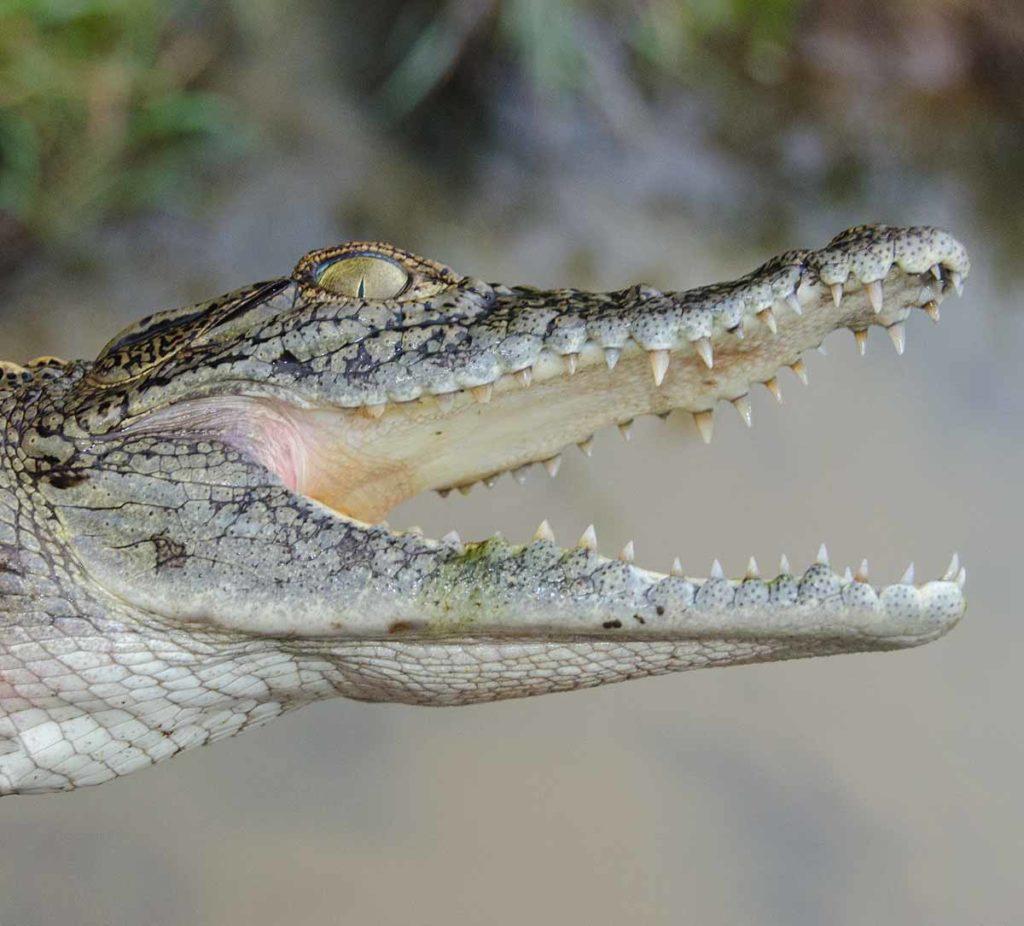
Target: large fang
[482, 393]
[861, 334]
[705, 422]
[703, 347]
[898, 335]
[874, 290]
[659, 365]
[768, 317]
[742, 404]
[797, 366]
[588, 539]
[626, 429]
[552, 465]
[772, 385]
[837, 293]
[611, 356]
[932, 308]
[544, 532]
[627, 552]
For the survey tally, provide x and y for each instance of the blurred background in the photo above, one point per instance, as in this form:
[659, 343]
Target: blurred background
[157, 153]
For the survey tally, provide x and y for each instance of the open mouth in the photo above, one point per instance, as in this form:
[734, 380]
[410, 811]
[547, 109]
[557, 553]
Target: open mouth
[451, 382]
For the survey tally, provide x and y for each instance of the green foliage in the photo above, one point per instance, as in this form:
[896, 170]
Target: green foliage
[100, 110]
[562, 46]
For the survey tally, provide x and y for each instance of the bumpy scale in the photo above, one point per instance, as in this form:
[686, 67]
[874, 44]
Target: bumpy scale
[191, 526]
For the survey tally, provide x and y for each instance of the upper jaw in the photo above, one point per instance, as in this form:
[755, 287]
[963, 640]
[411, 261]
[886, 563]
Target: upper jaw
[528, 372]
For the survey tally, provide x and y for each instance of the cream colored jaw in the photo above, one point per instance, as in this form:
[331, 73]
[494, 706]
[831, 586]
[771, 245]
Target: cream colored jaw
[363, 462]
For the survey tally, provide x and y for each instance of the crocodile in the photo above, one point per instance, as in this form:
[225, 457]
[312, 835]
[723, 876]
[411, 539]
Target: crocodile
[192, 533]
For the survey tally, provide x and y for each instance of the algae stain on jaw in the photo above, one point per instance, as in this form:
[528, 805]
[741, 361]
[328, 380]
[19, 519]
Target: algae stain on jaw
[460, 604]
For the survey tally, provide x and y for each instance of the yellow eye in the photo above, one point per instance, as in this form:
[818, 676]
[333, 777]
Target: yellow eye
[364, 276]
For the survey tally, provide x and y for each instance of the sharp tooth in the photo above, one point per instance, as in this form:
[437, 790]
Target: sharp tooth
[482, 393]
[908, 576]
[772, 385]
[446, 401]
[552, 465]
[374, 411]
[861, 575]
[465, 489]
[794, 304]
[961, 577]
[571, 361]
[861, 334]
[797, 366]
[847, 576]
[784, 565]
[874, 290]
[452, 537]
[524, 376]
[489, 481]
[837, 293]
[659, 365]
[716, 570]
[821, 349]
[703, 347]
[611, 356]
[587, 446]
[444, 493]
[519, 473]
[752, 571]
[588, 539]
[936, 271]
[822, 555]
[626, 553]
[768, 317]
[932, 308]
[544, 532]
[954, 566]
[742, 404]
[677, 567]
[958, 282]
[898, 336]
[626, 429]
[705, 422]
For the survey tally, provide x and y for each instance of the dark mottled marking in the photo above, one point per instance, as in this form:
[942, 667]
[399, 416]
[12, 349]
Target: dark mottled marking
[66, 480]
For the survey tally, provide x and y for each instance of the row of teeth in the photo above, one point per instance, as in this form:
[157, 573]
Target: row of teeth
[703, 420]
[660, 358]
[588, 541]
[734, 305]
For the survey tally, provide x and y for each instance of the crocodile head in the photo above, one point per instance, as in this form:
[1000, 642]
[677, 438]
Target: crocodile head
[207, 497]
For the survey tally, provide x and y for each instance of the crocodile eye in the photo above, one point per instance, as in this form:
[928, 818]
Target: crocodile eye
[364, 276]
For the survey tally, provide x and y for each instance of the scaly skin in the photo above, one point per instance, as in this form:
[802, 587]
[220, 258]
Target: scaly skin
[190, 536]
